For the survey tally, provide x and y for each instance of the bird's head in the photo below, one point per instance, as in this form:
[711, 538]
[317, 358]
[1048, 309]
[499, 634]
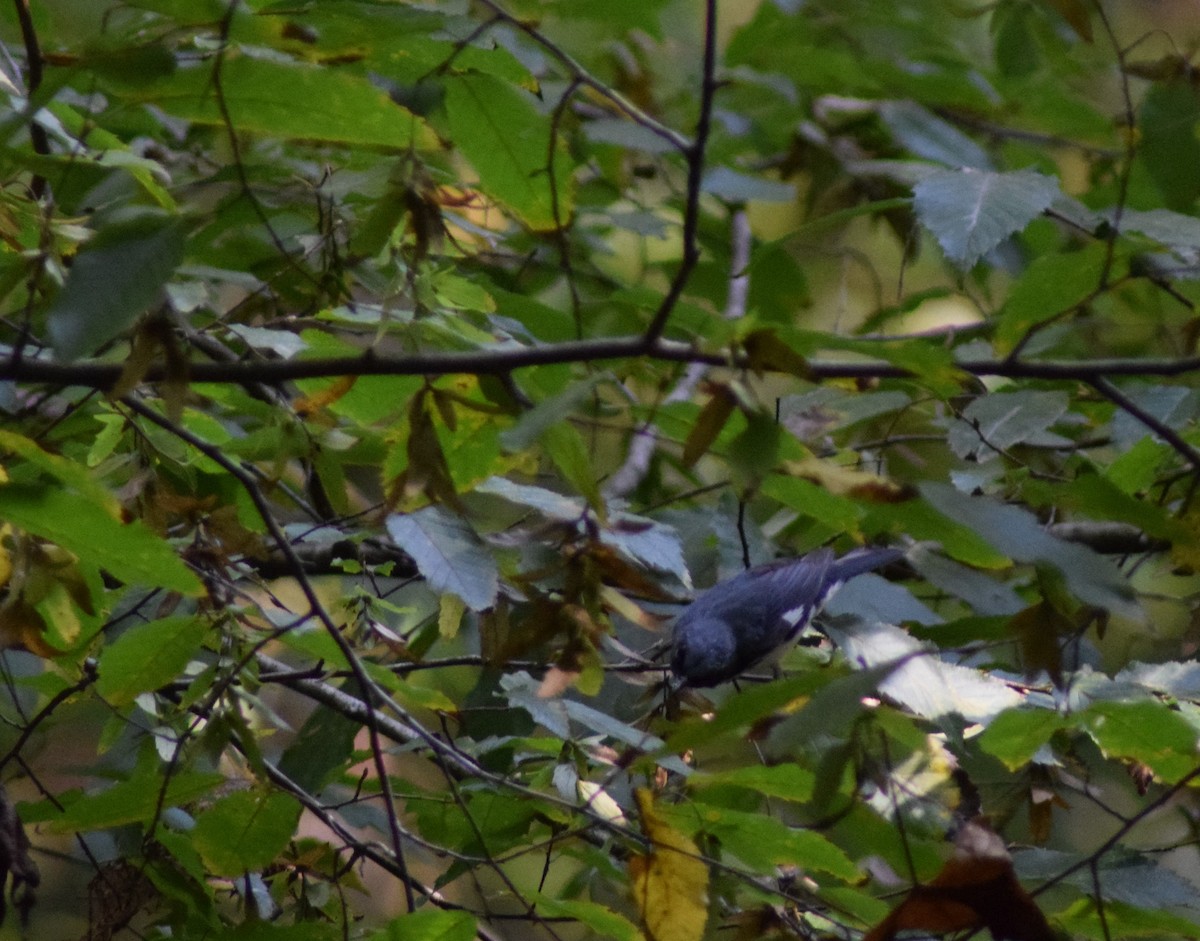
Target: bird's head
[705, 652]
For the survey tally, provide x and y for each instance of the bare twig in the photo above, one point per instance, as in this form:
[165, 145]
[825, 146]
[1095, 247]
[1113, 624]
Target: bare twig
[316, 609]
[584, 77]
[1160, 428]
[695, 154]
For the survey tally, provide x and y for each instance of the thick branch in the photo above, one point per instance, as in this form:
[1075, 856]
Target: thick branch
[499, 361]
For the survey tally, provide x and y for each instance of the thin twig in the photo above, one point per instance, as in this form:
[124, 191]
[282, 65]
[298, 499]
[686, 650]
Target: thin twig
[695, 154]
[317, 609]
[1160, 428]
[584, 77]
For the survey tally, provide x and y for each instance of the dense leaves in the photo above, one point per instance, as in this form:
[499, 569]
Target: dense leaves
[379, 379]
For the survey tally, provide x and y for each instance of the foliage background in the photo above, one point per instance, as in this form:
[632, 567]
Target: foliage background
[380, 377]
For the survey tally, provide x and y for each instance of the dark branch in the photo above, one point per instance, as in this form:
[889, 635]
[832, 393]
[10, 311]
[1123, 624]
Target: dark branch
[33, 62]
[500, 361]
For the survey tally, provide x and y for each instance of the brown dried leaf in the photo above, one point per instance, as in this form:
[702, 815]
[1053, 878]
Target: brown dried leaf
[1078, 15]
[976, 889]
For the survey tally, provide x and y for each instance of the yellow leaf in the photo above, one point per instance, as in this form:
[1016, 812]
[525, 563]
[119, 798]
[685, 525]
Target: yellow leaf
[848, 482]
[709, 422]
[670, 883]
[141, 358]
[450, 613]
[617, 602]
[308, 404]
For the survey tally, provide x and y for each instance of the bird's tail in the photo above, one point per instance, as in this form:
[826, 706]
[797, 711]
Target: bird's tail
[862, 560]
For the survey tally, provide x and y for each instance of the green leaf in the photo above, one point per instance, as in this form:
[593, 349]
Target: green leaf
[785, 781]
[133, 801]
[113, 280]
[1172, 229]
[261, 96]
[1052, 285]
[320, 750]
[546, 502]
[602, 920]
[763, 842]
[1168, 145]
[1016, 735]
[68, 472]
[1082, 919]
[148, 656]
[448, 553]
[565, 446]
[244, 832]
[735, 187]
[1150, 732]
[1018, 534]
[501, 130]
[970, 212]
[994, 423]
[839, 513]
[429, 925]
[928, 136]
[548, 413]
[130, 552]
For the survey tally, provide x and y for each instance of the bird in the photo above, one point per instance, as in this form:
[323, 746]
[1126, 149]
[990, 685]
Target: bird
[741, 622]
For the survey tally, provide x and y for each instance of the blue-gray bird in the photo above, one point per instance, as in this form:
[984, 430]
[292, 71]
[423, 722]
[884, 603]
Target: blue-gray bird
[738, 623]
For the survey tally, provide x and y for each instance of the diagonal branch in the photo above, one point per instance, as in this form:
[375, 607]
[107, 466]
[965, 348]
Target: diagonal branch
[584, 77]
[316, 608]
[1160, 428]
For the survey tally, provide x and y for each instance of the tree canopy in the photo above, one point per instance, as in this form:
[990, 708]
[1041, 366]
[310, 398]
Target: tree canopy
[380, 378]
